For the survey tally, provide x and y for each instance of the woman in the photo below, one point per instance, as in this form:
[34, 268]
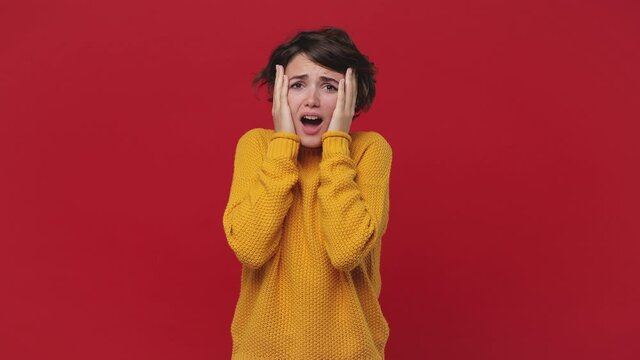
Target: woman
[308, 206]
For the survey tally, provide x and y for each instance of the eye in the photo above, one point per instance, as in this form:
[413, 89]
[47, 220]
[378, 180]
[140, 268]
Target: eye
[330, 87]
[296, 85]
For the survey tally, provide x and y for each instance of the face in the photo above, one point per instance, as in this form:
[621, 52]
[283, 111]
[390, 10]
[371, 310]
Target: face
[312, 95]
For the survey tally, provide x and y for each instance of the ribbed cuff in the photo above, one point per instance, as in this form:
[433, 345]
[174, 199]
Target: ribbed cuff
[283, 144]
[336, 142]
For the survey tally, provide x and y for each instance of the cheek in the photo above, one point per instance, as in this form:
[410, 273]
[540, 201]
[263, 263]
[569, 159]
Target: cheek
[293, 99]
[329, 102]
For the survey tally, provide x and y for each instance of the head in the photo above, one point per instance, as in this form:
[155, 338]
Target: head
[314, 62]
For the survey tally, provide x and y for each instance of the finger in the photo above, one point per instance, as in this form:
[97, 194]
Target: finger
[340, 101]
[348, 90]
[284, 91]
[274, 98]
[276, 89]
[347, 96]
[354, 90]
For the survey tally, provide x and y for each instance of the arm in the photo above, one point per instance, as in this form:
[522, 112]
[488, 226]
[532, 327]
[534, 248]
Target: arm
[260, 196]
[354, 209]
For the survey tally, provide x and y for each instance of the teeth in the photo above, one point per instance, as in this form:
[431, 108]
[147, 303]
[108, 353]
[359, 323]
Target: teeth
[311, 117]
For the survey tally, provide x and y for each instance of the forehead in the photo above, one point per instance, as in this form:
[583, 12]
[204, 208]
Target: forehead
[301, 64]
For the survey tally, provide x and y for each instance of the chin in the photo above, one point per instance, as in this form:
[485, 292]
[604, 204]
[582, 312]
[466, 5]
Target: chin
[312, 142]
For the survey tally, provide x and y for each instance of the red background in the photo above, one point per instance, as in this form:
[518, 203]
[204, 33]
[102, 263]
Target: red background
[514, 214]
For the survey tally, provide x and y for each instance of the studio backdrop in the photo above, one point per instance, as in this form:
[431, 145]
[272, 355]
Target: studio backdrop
[514, 204]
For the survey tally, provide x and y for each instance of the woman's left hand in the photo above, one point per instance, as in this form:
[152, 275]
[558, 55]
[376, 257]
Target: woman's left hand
[346, 104]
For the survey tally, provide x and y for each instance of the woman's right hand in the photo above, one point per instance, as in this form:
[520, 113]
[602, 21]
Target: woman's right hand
[282, 120]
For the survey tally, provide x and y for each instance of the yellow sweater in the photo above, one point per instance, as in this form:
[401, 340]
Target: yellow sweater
[306, 224]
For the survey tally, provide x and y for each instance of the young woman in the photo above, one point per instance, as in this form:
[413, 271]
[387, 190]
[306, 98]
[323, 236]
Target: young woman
[308, 206]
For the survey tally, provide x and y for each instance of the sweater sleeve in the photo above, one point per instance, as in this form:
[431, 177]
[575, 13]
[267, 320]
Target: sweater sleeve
[260, 195]
[353, 198]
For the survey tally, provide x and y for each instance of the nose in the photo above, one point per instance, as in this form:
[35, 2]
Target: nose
[312, 99]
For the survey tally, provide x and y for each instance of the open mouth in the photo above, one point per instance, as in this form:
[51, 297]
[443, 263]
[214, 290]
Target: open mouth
[311, 120]
[311, 124]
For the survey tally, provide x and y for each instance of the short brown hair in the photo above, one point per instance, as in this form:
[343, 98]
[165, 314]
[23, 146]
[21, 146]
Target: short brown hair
[332, 48]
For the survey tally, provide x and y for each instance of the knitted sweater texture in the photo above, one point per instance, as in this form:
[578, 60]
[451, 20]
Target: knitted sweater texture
[306, 225]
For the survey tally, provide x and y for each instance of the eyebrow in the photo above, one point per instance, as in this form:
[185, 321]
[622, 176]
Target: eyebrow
[305, 77]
